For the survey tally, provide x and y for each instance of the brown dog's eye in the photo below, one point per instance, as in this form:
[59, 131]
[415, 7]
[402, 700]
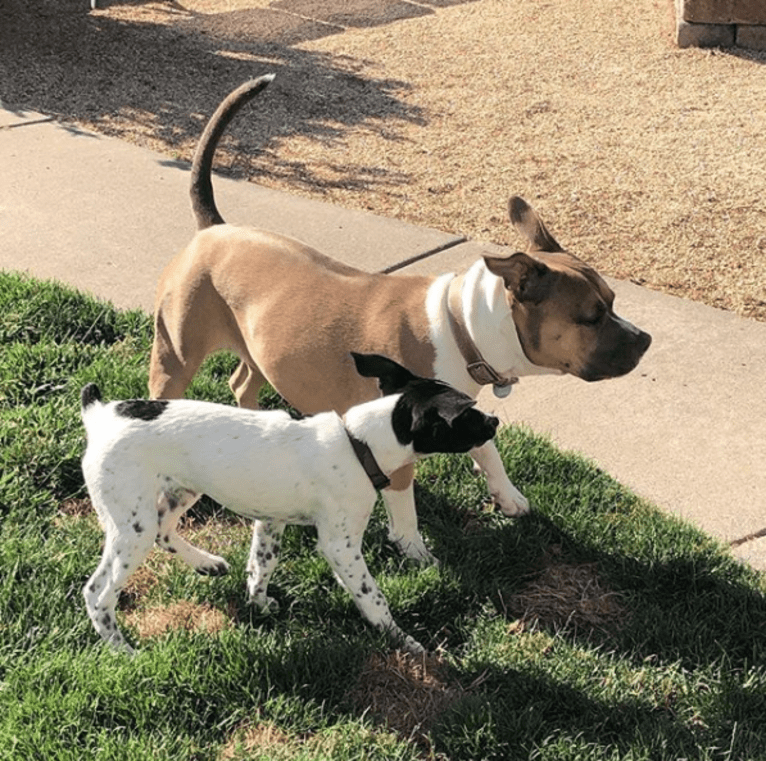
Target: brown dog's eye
[594, 318]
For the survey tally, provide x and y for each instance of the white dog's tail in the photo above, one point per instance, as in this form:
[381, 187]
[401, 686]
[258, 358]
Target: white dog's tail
[201, 191]
[90, 394]
[91, 407]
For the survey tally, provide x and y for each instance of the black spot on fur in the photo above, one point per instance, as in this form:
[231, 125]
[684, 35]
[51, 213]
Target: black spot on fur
[138, 528]
[142, 409]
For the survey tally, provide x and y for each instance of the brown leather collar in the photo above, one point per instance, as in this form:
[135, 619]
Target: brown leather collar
[477, 367]
[367, 460]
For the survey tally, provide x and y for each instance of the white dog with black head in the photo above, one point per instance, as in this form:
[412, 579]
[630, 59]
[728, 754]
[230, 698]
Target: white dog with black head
[147, 462]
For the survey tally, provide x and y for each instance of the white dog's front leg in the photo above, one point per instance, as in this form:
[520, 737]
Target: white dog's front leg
[507, 497]
[344, 554]
[403, 524]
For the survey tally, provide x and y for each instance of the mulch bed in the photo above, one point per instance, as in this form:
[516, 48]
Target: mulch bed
[646, 160]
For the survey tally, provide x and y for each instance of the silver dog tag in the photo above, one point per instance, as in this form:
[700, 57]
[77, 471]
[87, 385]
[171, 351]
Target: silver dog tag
[502, 391]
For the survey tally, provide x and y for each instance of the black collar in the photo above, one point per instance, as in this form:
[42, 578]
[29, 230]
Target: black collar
[367, 460]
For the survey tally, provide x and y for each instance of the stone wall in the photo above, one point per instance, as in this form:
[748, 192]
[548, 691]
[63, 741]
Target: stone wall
[721, 23]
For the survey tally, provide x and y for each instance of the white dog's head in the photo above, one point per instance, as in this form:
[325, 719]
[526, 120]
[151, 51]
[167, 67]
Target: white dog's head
[430, 414]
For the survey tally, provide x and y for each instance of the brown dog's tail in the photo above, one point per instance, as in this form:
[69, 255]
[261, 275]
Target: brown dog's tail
[201, 190]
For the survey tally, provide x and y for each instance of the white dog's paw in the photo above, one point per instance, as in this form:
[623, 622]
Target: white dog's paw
[214, 566]
[511, 502]
[267, 606]
[412, 646]
[119, 645]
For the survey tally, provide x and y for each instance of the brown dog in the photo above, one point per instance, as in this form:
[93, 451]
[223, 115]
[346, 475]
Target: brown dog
[292, 315]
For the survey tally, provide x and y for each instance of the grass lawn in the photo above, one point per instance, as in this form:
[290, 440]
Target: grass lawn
[595, 628]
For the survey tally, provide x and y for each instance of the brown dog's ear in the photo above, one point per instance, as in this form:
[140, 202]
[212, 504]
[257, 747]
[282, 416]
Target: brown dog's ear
[528, 279]
[525, 219]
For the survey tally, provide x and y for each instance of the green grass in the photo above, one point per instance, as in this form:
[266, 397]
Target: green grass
[675, 669]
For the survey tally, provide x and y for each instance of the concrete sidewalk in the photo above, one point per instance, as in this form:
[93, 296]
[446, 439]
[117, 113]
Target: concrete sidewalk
[687, 429]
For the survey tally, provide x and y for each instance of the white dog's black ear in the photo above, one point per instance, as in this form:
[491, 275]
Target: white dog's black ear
[455, 406]
[448, 404]
[392, 377]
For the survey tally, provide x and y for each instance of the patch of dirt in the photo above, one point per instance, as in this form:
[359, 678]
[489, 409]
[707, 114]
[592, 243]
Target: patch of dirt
[180, 615]
[645, 160]
[76, 508]
[262, 738]
[406, 693]
[145, 578]
[567, 596]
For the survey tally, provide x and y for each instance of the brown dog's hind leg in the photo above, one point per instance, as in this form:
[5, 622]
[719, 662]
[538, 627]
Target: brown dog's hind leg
[245, 383]
[170, 370]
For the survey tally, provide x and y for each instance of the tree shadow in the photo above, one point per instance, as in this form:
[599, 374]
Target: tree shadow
[157, 81]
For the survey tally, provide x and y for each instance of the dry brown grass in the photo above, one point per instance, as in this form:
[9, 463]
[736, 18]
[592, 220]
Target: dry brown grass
[403, 694]
[566, 596]
[647, 160]
[150, 618]
[257, 739]
[183, 615]
[406, 693]
[262, 737]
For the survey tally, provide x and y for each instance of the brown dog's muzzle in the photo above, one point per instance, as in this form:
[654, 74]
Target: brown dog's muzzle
[617, 353]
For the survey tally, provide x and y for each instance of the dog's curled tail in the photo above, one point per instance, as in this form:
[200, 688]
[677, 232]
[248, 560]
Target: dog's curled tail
[203, 201]
[89, 395]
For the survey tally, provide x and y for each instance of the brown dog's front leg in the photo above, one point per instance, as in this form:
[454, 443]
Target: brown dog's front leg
[399, 499]
[505, 495]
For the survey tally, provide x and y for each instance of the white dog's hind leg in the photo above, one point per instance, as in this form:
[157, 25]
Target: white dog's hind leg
[344, 554]
[124, 551]
[264, 554]
[172, 502]
[507, 497]
[403, 520]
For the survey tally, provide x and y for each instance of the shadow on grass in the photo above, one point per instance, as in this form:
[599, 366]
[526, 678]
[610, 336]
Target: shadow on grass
[517, 713]
[682, 599]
